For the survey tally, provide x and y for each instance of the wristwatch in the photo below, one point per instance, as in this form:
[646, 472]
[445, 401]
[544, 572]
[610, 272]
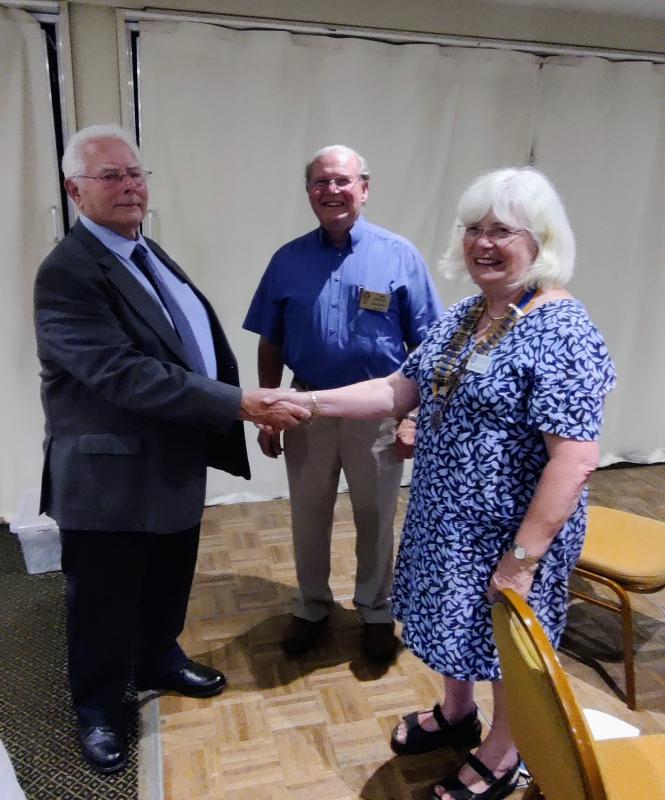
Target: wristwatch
[522, 554]
[411, 417]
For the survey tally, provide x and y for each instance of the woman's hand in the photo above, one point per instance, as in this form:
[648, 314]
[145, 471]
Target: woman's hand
[511, 573]
[555, 499]
[272, 409]
[288, 397]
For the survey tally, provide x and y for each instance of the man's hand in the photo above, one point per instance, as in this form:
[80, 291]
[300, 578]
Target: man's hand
[405, 439]
[278, 415]
[270, 443]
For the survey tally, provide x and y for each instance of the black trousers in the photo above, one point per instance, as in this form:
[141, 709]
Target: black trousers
[127, 597]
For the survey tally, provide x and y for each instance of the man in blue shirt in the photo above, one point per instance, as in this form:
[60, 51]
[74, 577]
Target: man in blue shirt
[140, 393]
[341, 304]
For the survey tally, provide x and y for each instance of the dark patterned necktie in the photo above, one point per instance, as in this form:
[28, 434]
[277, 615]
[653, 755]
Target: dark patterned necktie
[180, 322]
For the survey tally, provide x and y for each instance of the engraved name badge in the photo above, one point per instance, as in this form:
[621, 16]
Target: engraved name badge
[374, 301]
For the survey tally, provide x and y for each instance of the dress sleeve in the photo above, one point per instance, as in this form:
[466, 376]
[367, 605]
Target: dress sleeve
[572, 374]
[411, 366]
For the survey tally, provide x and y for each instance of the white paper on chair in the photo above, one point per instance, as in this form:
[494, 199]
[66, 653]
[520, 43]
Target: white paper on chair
[605, 726]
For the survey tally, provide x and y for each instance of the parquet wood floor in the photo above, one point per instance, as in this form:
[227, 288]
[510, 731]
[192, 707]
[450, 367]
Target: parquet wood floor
[318, 727]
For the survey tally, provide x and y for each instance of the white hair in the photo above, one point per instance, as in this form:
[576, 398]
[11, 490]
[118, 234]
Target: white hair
[521, 197]
[337, 148]
[72, 159]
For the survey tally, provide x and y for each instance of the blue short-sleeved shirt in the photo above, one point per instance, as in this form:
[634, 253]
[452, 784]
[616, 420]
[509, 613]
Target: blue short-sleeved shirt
[308, 304]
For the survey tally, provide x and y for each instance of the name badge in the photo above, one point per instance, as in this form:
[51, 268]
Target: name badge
[479, 363]
[374, 301]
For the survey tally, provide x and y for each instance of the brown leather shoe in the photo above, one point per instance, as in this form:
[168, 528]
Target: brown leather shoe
[302, 634]
[379, 641]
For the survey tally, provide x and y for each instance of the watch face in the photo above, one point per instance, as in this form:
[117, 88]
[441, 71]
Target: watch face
[520, 552]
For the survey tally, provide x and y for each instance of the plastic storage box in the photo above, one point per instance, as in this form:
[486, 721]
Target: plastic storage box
[39, 536]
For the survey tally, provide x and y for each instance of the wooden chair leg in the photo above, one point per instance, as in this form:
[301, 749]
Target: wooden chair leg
[624, 610]
[628, 647]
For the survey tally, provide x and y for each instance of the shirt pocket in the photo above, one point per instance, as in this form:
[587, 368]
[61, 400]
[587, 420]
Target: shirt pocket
[369, 323]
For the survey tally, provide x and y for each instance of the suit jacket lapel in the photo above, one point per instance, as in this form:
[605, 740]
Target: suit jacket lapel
[141, 300]
[170, 263]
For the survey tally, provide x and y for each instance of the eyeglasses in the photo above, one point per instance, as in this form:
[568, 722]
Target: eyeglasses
[114, 178]
[342, 182]
[497, 234]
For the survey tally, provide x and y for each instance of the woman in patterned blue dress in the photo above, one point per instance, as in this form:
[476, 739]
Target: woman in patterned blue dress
[511, 386]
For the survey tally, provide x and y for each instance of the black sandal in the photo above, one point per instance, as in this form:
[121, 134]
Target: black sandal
[497, 788]
[465, 733]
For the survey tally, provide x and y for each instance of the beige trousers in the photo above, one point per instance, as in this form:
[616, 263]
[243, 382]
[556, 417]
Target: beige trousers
[315, 454]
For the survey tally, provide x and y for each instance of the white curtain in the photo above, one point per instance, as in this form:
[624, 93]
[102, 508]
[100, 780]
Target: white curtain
[229, 117]
[601, 135]
[28, 166]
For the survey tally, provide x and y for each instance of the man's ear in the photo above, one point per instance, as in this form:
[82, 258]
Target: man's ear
[72, 189]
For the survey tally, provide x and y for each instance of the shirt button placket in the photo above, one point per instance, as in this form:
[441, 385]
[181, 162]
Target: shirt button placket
[335, 297]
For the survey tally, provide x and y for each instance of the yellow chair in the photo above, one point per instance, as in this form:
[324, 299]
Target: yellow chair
[625, 553]
[549, 727]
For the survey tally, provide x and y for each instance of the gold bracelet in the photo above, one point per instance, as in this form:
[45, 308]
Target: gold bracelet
[315, 404]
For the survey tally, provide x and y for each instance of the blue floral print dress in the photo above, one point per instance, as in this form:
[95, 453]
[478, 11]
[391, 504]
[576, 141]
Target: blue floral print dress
[475, 475]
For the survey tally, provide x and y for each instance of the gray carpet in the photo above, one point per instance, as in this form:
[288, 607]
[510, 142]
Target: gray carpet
[37, 725]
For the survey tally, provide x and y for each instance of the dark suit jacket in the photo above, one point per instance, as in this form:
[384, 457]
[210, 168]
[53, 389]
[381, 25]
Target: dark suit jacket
[129, 428]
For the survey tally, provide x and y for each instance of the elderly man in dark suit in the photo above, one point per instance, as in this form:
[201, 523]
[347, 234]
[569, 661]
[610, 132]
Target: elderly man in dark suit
[140, 392]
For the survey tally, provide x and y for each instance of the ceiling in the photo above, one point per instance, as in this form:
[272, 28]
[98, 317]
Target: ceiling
[650, 9]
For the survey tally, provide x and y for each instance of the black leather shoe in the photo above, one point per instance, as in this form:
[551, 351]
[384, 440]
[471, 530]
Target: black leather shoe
[193, 680]
[302, 634]
[103, 747]
[379, 641]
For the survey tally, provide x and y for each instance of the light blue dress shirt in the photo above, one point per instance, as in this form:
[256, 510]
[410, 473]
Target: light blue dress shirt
[190, 304]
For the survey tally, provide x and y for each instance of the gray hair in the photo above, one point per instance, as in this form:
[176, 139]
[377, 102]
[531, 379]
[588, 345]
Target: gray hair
[339, 148]
[520, 197]
[72, 159]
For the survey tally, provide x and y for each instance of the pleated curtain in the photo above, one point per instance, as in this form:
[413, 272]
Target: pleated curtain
[30, 196]
[230, 117]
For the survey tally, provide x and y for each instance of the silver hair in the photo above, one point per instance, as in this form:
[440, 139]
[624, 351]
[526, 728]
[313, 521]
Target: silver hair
[72, 159]
[520, 197]
[339, 148]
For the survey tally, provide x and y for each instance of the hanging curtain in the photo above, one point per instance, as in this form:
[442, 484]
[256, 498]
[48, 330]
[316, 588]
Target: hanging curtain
[601, 136]
[28, 166]
[229, 119]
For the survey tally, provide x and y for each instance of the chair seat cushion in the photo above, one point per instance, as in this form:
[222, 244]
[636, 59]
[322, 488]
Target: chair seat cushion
[627, 548]
[633, 768]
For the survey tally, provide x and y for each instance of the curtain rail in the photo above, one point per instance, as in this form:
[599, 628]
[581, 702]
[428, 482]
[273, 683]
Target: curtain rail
[33, 6]
[394, 36]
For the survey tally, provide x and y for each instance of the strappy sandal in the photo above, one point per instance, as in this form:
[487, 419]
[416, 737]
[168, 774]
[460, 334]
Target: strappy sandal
[497, 788]
[465, 733]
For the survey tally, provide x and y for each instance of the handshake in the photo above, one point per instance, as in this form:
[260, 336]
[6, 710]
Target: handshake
[276, 409]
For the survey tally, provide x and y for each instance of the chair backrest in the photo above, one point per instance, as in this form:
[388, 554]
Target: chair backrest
[546, 721]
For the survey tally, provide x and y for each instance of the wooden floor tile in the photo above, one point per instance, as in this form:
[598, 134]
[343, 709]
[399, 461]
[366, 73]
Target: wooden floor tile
[318, 727]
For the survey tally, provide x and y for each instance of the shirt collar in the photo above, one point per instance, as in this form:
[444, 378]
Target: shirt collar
[356, 233]
[117, 244]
